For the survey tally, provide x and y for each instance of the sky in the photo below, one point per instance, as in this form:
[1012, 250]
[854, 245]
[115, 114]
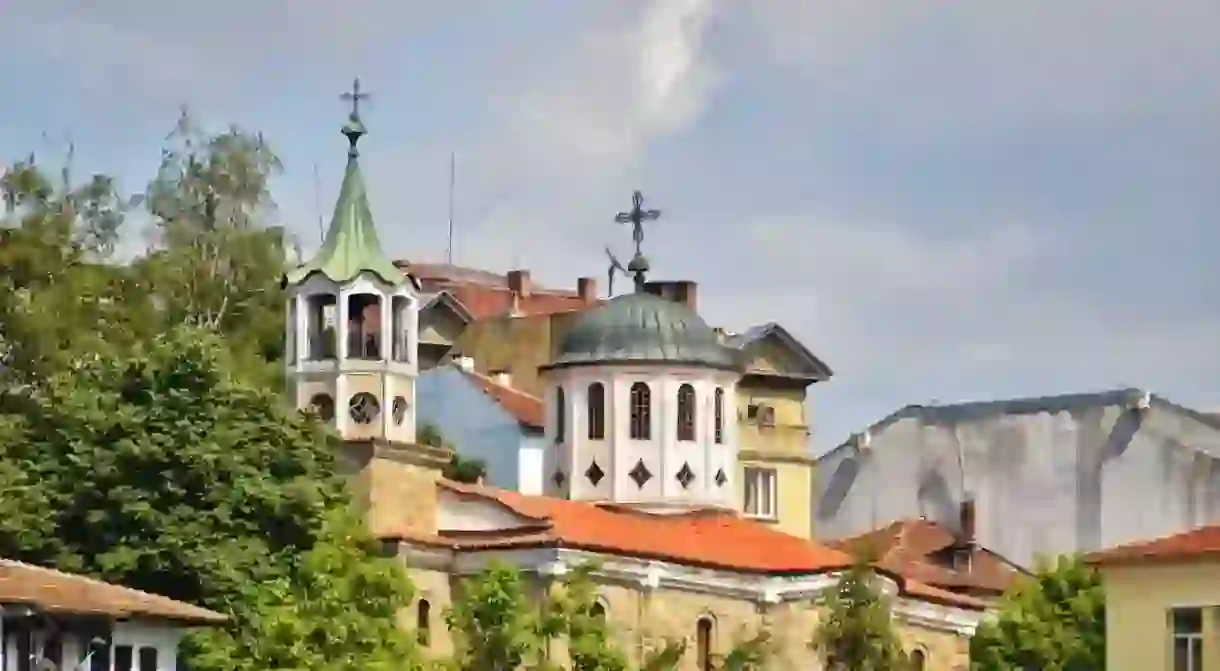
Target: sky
[945, 201]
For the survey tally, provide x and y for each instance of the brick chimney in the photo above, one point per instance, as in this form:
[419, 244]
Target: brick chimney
[966, 521]
[678, 291]
[519, 282]
[586, 288]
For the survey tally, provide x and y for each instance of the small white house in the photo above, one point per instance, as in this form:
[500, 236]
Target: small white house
[54, 620]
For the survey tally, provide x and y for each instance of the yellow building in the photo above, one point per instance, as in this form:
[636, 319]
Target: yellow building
[1162, 603]
[643, 448]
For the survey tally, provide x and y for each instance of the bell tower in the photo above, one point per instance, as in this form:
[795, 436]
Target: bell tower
[352, 341]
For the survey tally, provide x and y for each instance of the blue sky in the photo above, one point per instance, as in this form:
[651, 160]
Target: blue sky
[945, 200]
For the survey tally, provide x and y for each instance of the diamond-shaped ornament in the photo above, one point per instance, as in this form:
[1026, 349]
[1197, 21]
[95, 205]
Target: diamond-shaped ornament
[640, 473]
[685, 476]
[559, 478]
[595, 473]
[721, 478]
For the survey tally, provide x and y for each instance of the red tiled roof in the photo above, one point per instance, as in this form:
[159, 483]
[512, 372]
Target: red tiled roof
[63, 593]
[710, 538]
[916, 548]
[1200, 543]
[527, 409]
[486, 294]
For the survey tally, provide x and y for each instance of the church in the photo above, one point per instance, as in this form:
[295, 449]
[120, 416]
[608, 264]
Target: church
[641, 453]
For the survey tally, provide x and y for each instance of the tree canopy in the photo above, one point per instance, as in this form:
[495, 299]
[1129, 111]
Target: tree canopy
[1054, 621]
[856, 633]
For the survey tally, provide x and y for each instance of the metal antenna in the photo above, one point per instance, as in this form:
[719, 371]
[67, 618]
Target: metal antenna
[452, 179]
[317, 202]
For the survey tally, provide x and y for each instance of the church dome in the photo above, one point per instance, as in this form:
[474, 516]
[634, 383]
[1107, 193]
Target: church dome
[642, 328]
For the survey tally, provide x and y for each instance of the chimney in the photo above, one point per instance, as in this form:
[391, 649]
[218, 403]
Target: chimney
[681, 291]
[519, 282]
[465, 363]
[966, 521]
[504, 377]
[586, 288]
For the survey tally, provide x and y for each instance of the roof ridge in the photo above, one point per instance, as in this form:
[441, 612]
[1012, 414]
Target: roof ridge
[13, 563]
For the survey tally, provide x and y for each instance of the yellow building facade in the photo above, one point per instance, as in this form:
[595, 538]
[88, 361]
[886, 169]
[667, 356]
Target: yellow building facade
[1163, 603]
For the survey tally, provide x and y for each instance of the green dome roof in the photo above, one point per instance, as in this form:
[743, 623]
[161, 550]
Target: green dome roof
[643, 328]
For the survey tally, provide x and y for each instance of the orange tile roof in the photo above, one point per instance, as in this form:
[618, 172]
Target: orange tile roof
[1200, 543]
[711, 538]
[63, 593]
[486, 294]
[527, 409]
[911, 547]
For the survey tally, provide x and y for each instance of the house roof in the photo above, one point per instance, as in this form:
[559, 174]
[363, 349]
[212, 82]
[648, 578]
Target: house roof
[911, 547]
[818, 369]
[485, 294]
[1201, 543]
[713, 539]
[63, 593]
[955, 413]
[527, 409]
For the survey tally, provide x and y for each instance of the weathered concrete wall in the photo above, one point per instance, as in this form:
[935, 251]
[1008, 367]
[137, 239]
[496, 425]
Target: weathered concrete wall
[1048, 480]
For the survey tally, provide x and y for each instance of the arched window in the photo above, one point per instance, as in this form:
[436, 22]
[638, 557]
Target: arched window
[596, 401]
[703, 643]
[686, 412]
[641, 412]
[423, 622]
[561, 417]
[918, 659]
[718, 412]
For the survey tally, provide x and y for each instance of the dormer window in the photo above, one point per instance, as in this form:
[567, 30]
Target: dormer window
[641, 411]
[686, 413]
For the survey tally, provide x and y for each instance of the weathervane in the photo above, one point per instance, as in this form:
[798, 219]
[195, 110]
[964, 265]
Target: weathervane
[354, 128]
[636, 217]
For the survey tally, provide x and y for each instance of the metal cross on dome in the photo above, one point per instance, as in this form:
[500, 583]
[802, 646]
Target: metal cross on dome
[636, 217]
[355, 96]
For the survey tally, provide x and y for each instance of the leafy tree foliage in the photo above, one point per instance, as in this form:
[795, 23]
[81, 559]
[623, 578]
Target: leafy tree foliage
[459, 468]
[1056, 621]
[856, 632]
[165, 471]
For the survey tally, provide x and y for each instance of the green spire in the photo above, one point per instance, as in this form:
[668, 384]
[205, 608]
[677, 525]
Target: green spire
[351, 246]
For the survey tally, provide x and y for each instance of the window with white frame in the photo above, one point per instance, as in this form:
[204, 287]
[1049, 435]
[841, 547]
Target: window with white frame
[1187, 627]
[760, 499]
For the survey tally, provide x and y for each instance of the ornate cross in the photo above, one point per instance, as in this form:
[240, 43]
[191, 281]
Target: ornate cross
[355, 96]
[636, 217]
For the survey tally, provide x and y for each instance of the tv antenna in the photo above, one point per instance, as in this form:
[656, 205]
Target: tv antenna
[452, 175]
[615, 268]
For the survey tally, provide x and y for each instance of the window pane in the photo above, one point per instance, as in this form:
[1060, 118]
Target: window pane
[148, 659]
[1181, 655]
[122, 658]
[751, 497]
[1187, 621]
[1196, 654]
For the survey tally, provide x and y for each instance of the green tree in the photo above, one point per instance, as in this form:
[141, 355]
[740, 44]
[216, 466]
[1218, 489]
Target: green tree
[1053, 622]
[856, 633]
[166, 471]
[459, 468]
[494, 624]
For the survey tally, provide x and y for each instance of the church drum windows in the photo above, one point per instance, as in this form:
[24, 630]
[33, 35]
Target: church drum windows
[641, 411]
[364, 327]
[596, 402]
[320, 314]
[561, 416]
[686, 413]
[400, 309]
[718, 414]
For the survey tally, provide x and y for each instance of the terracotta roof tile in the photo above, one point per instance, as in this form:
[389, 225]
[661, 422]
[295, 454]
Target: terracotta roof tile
[1195, 544]
[64, 593]
[921, 549]
[486, 294]
[527, 409]
[711, 538]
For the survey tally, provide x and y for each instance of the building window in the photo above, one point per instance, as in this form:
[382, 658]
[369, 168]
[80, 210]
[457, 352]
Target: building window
[686, 412]
[123, 658]
[1187, 624]
[718, 412]
[596, 401]
[703, 643]
[918, 660]
[321, 316]
[760, 496]
[400, 324]
[641, 412]
[561, 417]
[148, 659]
[364, 327]
[598, 610]
[423, 622]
